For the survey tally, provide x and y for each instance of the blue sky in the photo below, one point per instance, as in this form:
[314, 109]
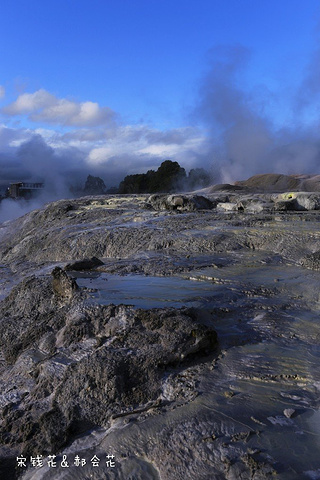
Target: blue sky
[115, 87]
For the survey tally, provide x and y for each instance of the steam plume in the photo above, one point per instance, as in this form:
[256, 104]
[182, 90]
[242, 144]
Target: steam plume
[242, 140]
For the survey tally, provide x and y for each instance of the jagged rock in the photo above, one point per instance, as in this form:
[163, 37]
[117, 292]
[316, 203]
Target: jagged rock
[33, 311]
[227, 206]
[62, 285]
[256, 205]
[299, 200]
[289, 412]
[179, 202]
[108, 360]
[312, 260]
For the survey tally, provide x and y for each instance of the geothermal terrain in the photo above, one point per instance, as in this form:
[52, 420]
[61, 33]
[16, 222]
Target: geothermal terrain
[163, 337]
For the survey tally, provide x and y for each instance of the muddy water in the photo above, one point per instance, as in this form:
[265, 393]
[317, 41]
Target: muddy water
[150, 292]
[266, 313]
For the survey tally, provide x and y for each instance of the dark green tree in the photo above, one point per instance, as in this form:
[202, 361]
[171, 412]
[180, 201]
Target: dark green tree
[169, 177]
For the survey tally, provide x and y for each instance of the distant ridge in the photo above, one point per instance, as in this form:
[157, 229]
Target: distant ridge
[275, 182]
[269, 183]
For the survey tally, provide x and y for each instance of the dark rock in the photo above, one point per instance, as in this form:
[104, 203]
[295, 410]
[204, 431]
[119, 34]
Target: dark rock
[62, 285]
[85, 264]
[285, 205]
[312, 261]
[111, 359]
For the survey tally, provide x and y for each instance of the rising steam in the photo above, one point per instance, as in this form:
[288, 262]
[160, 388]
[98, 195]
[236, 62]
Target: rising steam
[242, 140]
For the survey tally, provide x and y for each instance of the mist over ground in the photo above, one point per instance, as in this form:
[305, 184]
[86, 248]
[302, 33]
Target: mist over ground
[230, 132]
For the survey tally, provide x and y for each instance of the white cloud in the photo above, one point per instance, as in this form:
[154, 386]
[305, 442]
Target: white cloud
[135, 142]
[163, 150]
[2, 91]
[94, 142]
[59, 112]
[128, 146]
[42, 106]
[101, 155]
[30, 102]
[90, 114]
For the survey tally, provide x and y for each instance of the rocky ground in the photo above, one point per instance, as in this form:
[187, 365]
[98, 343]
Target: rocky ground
[170, 336]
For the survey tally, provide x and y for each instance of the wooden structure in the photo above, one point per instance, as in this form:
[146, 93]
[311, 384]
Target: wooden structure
[25, 190]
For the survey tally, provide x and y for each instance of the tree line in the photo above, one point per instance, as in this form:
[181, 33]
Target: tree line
[169, 177]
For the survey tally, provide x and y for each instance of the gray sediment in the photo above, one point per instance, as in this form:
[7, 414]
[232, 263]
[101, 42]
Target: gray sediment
[179, 333]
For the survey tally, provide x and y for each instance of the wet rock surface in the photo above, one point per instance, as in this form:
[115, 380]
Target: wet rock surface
[84, 364]
[178, 333]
